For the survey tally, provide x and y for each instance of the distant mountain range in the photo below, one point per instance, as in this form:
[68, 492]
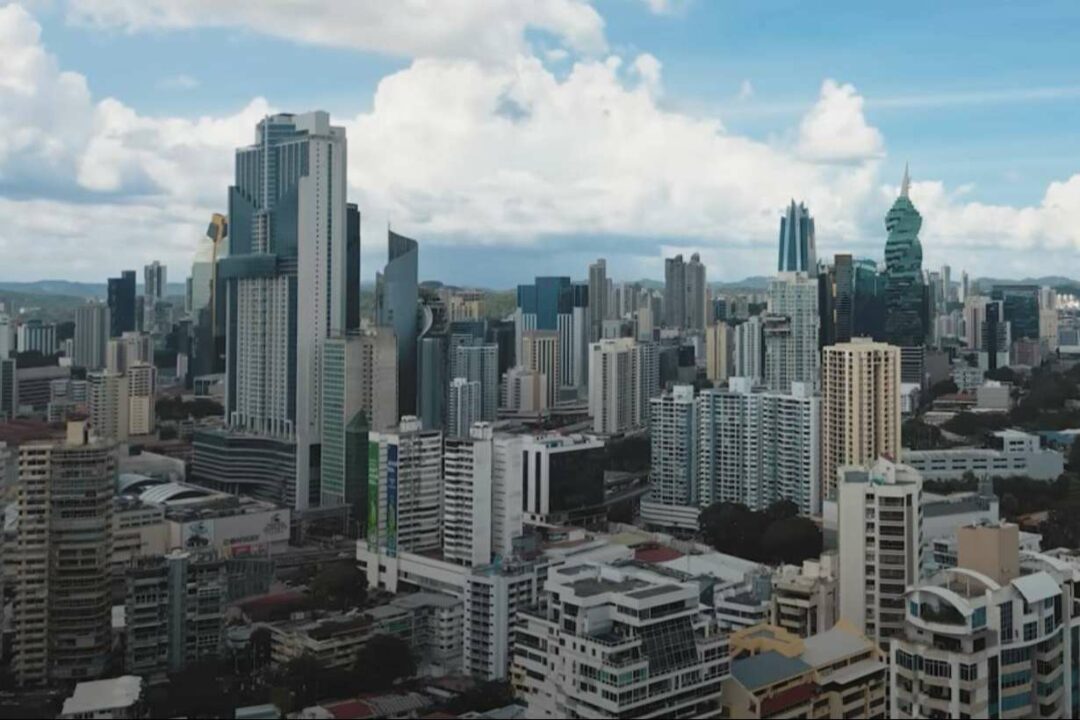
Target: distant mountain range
[75, 289]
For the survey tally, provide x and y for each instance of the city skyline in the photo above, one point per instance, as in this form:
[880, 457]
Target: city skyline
[451, 139]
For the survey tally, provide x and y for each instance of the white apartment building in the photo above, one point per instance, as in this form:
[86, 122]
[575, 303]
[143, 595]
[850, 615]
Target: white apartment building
[756, 448]
[464, 406]
[996, 636]
[618, 641]
[673, 436]
[524, 392]
[1019, 454]
[793, 356]
[860, 413]
[749, 350]
[616, 373]
[467, 490]
[880, 545]
[108, 404]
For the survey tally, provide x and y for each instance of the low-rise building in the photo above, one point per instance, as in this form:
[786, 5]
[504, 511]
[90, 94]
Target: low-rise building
[835, 674]
[805, 599]
[118, 697]
[618, 641]
[1015, 453]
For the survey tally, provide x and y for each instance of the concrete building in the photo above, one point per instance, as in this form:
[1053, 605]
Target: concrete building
[860, 414]
[524, 392]
[618, 386]
[673, 437]
[118, 698]
[91, 335]
[479, 363]
[540, 352]
[806, 599]
[880, 545]
[36, 336]
[109, 405]
[1016, 453]
[464, 406]
[494, 595]
[791, 353]
[756, 448]
[405, 491]
[838, 673]
[618, 642]
[142, 399]
[562, 479]
[467, 492]
[175, 611]
[750, 350]
[968, 378]
[995, 636]
[598, 311]
[131, 348]
[60, 560]
[719, 352]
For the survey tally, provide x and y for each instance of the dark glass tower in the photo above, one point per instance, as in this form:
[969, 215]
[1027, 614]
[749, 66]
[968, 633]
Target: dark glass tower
[122, 303]
[797, 248]
[396, 295]
[905, 298]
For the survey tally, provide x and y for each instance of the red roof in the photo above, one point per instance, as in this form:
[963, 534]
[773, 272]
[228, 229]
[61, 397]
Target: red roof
[347, 709]
[656, 554]
[788, 698]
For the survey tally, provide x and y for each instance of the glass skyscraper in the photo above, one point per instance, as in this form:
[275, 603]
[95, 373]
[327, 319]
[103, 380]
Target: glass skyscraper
[396, 298]
[905, 297]
[797, 248]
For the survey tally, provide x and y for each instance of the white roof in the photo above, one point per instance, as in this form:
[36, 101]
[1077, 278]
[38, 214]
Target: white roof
[98, 695]
[726, 567]
[832, 645]
[1037, 586]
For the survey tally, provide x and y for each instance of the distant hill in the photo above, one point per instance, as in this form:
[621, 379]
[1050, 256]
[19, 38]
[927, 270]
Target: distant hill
[1047, 280]
[75, 289]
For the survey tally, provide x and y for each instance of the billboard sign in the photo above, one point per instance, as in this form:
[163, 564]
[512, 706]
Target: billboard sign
[391, 499]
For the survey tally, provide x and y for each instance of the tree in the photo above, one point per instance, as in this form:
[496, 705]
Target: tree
[791, 540]
[196, 691]
[943, 387]
[1001, 374]
[339, 585]
[781, 510]
[1073, 461]
[383, 661]
[1010, 506]
[732, 528]
[483, 697]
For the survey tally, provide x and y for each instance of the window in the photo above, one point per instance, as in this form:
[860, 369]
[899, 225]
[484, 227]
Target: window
[969, 672]
[978, 618]
[1031, 630]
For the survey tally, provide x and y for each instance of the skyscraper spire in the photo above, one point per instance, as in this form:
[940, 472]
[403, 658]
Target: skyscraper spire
[905, 184]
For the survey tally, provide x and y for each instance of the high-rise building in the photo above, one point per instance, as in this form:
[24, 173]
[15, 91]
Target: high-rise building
[36, 336]
[860, 414]
[463, 407]
[109, 405]
[432, 383]
[879, 526]
[1048, 318]
[555, 304]
[479, 363]
[719, 347]
[352, 269]
[142, 399]
[870, 300]
[60, 559]
[524, 391]
[9, 389]
[756, 448]
[1021, 309]
[155, 277]
[598, 311]
[91, 335]
[696, 294]
[964, 286]
[791, 352]
[750, 349]
[467, 495]
[798, 250]
[121, 300]
[997, 636]
[359, 394]
[396, 298]
[674, 437]
[540, 353]
[843, 321]
[405, 481]
[7, 336]
[625, 627]
[618, 400]
[131, 348]
[562, 479]
[905, 295]
[284, 282]
[174, 611]
[675, 292]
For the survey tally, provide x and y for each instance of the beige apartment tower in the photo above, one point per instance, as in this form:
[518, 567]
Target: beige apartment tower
[860, 389]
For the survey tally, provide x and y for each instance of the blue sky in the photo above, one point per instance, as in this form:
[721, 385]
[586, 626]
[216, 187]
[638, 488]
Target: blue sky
[981, 98]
